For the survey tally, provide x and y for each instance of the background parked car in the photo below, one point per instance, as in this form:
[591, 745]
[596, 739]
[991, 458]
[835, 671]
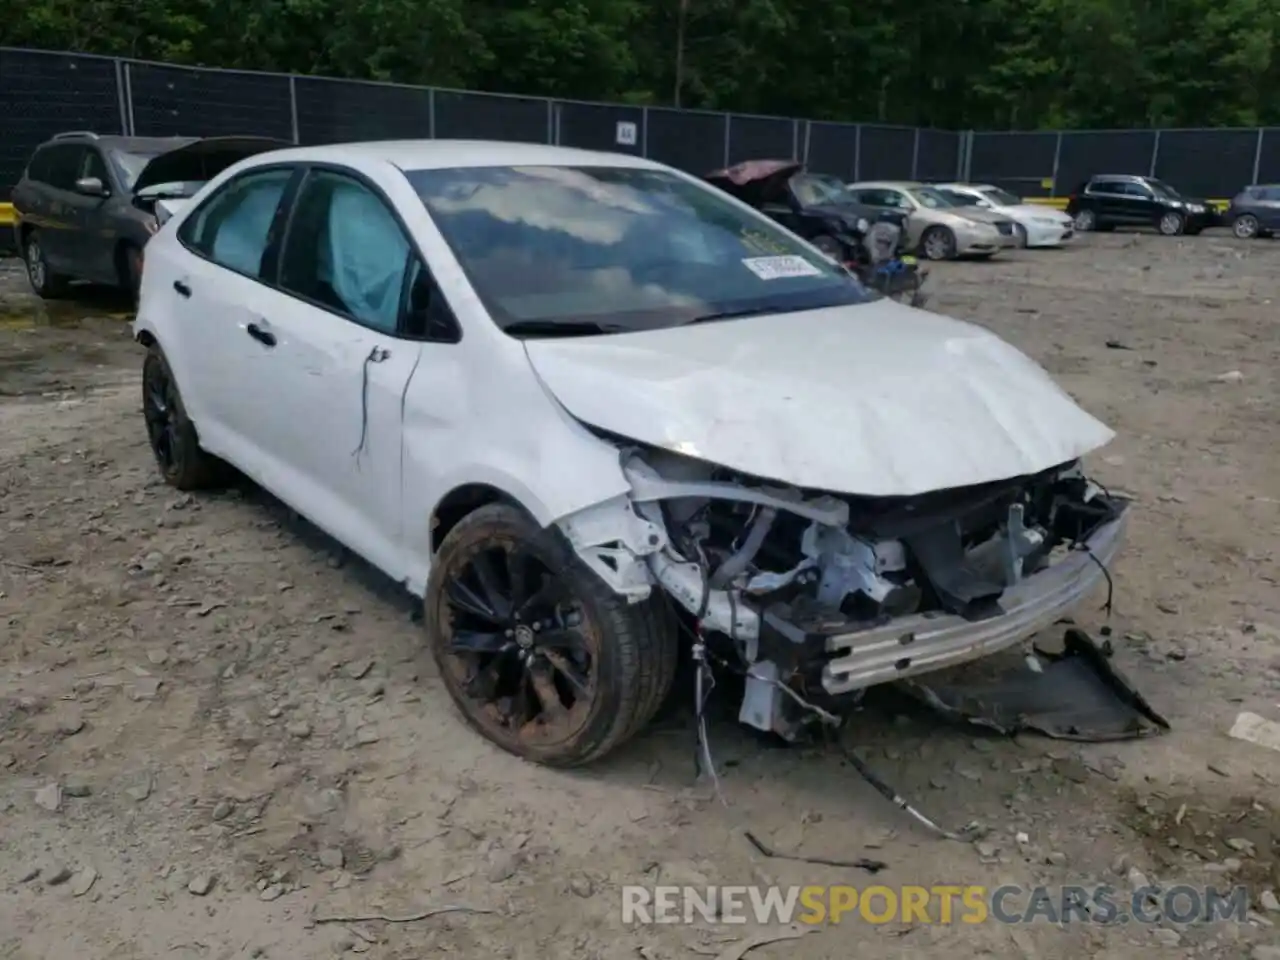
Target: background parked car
[86, 204]
[936, 227]
[1255, 211]
[1034, 225]
[1107, 201]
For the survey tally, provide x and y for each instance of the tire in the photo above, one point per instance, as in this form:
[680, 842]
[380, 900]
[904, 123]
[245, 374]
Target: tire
[1245, 227]
[938, 243]
[1086, 221]
[1020, 232]
[623, 655]
[830, 246]
[129, 268]
[1171, 224]
[46, 284]
[170, 432]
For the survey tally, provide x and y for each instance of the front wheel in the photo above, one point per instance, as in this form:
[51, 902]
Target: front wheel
[830, 246]
[539, 655]
[1020, 234]
[170, 432]
[938, 243]
[1171, 224]
[1245, 226]
[46, 284]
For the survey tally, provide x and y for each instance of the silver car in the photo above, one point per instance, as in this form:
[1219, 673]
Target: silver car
[938, 228]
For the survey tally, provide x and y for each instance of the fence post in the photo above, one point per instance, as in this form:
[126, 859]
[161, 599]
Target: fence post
[129, 130]
[857, 152]
[120, 98]
[808, 135]
[293, 107]
[551, 121]
[644, 132]
[728, 120]
[1257, 156]
[968, 157]
[431, 112]
[1057, 152]
[1155, 154]
[915, 156]
[795, 139]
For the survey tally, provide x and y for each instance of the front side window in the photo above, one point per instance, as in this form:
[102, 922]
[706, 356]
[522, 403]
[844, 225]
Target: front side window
[232, 227]
[1132, 189]
[95, 166]
[1164, 190]
[61, 168]
[958, 199]
[345, 251]
[552, 249]
[816, 190]
[931, 198]
[1002, 197]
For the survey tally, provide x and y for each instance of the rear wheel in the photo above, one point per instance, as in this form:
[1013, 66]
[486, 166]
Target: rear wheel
[46, 284]
[170, 432]
[1086, 221]
[129, 268]
[536, 651]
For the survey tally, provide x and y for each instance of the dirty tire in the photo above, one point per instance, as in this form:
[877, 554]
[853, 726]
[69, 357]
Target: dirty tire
[938, 243]
[46, 284]
[1086, 221]
[1171, 224]
[1245, 226]
[632, 648]
[171, 434]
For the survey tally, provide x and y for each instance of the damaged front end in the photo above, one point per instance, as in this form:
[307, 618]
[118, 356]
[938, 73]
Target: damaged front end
[818, 596]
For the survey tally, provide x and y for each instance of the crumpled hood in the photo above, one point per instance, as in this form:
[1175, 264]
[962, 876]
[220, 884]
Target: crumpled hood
[876, 399]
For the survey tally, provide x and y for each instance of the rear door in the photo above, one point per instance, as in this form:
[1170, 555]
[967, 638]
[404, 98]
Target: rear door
[1106, 200]
[219, 295]
[55, 206]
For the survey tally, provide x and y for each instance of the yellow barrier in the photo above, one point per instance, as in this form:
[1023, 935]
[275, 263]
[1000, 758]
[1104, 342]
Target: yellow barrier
[6, 214]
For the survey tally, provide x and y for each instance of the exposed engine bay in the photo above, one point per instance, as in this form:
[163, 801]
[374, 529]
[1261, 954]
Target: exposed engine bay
[815, 597]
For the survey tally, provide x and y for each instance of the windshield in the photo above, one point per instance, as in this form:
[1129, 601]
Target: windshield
[956, 198]
[129, 165]
[1002, 197]
[619, 249]
[1159, 186]
[930, 197]
[815, 190]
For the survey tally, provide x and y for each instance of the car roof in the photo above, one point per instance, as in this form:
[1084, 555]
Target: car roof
[1120, 176]
[898, 184]
[411, 155]
[116, 142]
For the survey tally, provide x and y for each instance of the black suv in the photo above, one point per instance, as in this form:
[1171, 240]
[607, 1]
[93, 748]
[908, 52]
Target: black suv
[1107, 201]
[87, 204]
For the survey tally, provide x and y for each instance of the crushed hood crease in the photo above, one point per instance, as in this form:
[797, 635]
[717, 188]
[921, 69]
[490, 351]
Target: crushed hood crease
[877, 399]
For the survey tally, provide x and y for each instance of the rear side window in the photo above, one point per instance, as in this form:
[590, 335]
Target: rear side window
[232, 227]
[57, 165]
[1106, 186]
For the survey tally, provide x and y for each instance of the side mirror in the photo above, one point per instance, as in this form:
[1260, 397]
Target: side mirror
[429, 316]
[91, 187]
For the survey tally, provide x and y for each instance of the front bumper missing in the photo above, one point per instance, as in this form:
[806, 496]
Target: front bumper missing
[921, 643]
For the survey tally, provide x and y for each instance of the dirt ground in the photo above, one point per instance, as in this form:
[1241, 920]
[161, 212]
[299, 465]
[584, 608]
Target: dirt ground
[217, 731]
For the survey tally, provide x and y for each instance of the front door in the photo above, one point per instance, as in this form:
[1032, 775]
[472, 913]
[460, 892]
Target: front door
[331, 420]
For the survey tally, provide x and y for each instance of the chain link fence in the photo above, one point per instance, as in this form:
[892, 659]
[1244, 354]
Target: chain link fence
[45, 93]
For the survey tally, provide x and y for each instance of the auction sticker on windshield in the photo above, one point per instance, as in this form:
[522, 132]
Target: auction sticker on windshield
[778, 268]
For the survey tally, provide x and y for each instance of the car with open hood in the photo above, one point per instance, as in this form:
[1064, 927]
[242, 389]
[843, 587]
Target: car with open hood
[1034, 225]
[584, 406]
[87, 204]
[937, 227]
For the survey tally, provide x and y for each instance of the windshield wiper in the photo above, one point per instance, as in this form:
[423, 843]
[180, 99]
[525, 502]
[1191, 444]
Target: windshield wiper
[731, 315]
[558, 328]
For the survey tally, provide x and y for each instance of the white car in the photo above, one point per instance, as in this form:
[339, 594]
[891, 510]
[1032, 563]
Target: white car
[572, 400]
[1036, 225]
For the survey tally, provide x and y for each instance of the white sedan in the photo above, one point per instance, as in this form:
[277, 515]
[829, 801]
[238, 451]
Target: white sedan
[1036, 225]
[574, 401]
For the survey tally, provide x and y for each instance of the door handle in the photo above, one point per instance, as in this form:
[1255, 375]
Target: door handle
[264, 337]
[182, 289]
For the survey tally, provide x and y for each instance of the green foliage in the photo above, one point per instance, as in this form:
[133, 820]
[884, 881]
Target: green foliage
[984, 64]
